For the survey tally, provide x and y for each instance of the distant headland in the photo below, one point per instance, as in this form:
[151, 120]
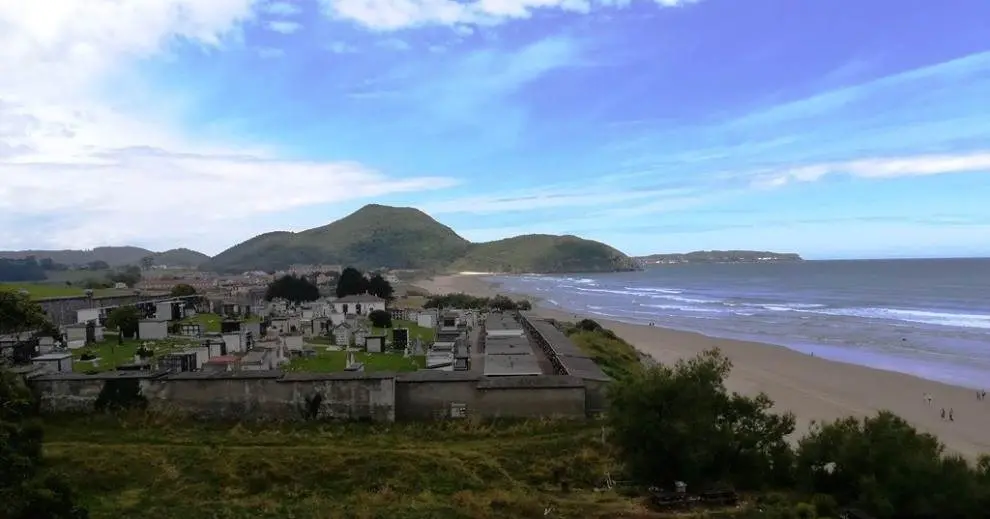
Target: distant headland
[720, 256]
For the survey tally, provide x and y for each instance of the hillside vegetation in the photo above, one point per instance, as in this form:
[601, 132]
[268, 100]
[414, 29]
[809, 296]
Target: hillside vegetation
[113, 256]
[379, 236]
[543, 253]
[721, 256]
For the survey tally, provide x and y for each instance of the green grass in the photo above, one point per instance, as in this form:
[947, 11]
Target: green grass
[43, 290]
[329, 361]
[209, 322]
[427, 335]
[616, 357]
[152, 466]
[111, 354]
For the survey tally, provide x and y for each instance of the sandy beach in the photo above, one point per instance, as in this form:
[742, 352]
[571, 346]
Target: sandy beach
[810, 387]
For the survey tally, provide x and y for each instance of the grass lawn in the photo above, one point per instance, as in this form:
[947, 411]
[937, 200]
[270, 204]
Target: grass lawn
[111, 354]
[209, 322]
[427, 335]
[43, 290]
[142, 466]
[328, 361]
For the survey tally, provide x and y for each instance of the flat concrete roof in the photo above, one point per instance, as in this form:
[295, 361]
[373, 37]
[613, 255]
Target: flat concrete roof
[507, 346]
[502, 322]
[52, 356]
[511, 365]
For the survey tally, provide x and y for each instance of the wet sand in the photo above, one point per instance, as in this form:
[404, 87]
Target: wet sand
[814, 389]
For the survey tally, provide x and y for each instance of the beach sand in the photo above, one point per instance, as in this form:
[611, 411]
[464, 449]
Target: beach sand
[814, 389]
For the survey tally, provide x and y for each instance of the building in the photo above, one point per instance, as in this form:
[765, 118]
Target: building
[152, 329]
[53, 362]
[361, 304]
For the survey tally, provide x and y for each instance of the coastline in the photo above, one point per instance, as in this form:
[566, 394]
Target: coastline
[813, 388]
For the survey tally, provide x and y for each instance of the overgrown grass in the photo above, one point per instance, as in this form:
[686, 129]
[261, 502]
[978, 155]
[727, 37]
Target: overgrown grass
[615, 356]
[209, 322]
[148, 466]
[328, 361]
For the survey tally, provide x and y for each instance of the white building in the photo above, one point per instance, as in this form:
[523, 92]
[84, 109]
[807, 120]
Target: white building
[362, 304]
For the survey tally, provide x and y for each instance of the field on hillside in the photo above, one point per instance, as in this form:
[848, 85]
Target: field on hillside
[145, 466]
[41, 290]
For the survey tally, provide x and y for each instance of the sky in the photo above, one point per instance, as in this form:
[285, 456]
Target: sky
[831, 128]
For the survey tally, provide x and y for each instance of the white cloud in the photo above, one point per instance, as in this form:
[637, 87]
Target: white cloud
[284, 27]
[879, 168]
[548, 198]
[282, 8]
[388, 15]
[79, 167]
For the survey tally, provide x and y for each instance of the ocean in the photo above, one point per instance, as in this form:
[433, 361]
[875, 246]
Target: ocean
[926, 317]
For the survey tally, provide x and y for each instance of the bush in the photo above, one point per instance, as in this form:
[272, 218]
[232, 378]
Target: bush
[680, 424]
[380, 319]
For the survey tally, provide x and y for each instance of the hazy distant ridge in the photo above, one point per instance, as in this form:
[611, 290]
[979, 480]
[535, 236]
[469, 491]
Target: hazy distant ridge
[721, 256]
[113, 256]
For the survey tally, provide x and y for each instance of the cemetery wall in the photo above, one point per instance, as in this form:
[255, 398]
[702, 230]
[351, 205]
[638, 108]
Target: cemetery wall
[274, 395]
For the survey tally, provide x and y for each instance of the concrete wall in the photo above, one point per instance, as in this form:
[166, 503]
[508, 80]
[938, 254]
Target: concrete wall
[274, 395]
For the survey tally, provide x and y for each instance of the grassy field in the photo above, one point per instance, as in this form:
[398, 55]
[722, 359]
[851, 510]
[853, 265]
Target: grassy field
[328, 361]
[45, 290]
[144, 466]
[211, 322]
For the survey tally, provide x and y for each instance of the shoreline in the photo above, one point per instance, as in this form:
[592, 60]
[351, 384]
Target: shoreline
[813, 388]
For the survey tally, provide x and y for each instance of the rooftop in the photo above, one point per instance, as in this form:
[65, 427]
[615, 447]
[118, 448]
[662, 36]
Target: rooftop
[360, 298]
[511, 365]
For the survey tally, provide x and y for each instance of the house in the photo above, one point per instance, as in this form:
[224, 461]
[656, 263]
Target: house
[53, 362]
[361, 304]
[152, 329]
[374, 343]
[342, 334]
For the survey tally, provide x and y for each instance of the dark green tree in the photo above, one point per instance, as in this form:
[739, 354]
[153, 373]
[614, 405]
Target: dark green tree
[884, 466]
[129, 276]
[351, 282]
[183, 290]
[380, 319]
[125, 319]
[679, 423]
[147, 262]
[380, 287]
[26, 492]
[292, 288]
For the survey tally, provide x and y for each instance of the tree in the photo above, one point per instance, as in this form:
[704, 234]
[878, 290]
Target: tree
[380, 319]
[98, 265]
[19, 315]
[380, 287]
[351, 282]
[292, 288]
[125, 319]
[679, 423]
[26, 269]
[129, 276]
[183, 290]
[147, 262]
[25, 491]
[884, 466]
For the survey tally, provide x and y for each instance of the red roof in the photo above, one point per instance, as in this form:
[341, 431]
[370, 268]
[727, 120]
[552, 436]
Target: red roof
[223, 359]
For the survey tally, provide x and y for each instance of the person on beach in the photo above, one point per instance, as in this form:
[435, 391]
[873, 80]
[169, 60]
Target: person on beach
[928, 398]
[943, 414]
[950, 415]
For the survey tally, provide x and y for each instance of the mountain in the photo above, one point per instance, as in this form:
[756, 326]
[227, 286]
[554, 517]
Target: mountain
[113, 256]
[406, 238]
[543, 253]
[721, 256]
[372, 237]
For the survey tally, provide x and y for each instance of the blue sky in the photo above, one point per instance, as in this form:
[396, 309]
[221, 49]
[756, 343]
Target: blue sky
[836, 129]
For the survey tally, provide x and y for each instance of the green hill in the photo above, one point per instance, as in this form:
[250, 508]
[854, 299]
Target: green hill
[372, 237]
[543, 253]
[113, 256]
[406, 238]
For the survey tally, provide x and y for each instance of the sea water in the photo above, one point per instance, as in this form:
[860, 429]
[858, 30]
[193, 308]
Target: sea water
[926, 317]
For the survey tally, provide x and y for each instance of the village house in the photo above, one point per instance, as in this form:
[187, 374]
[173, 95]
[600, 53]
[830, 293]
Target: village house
[361, 304]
